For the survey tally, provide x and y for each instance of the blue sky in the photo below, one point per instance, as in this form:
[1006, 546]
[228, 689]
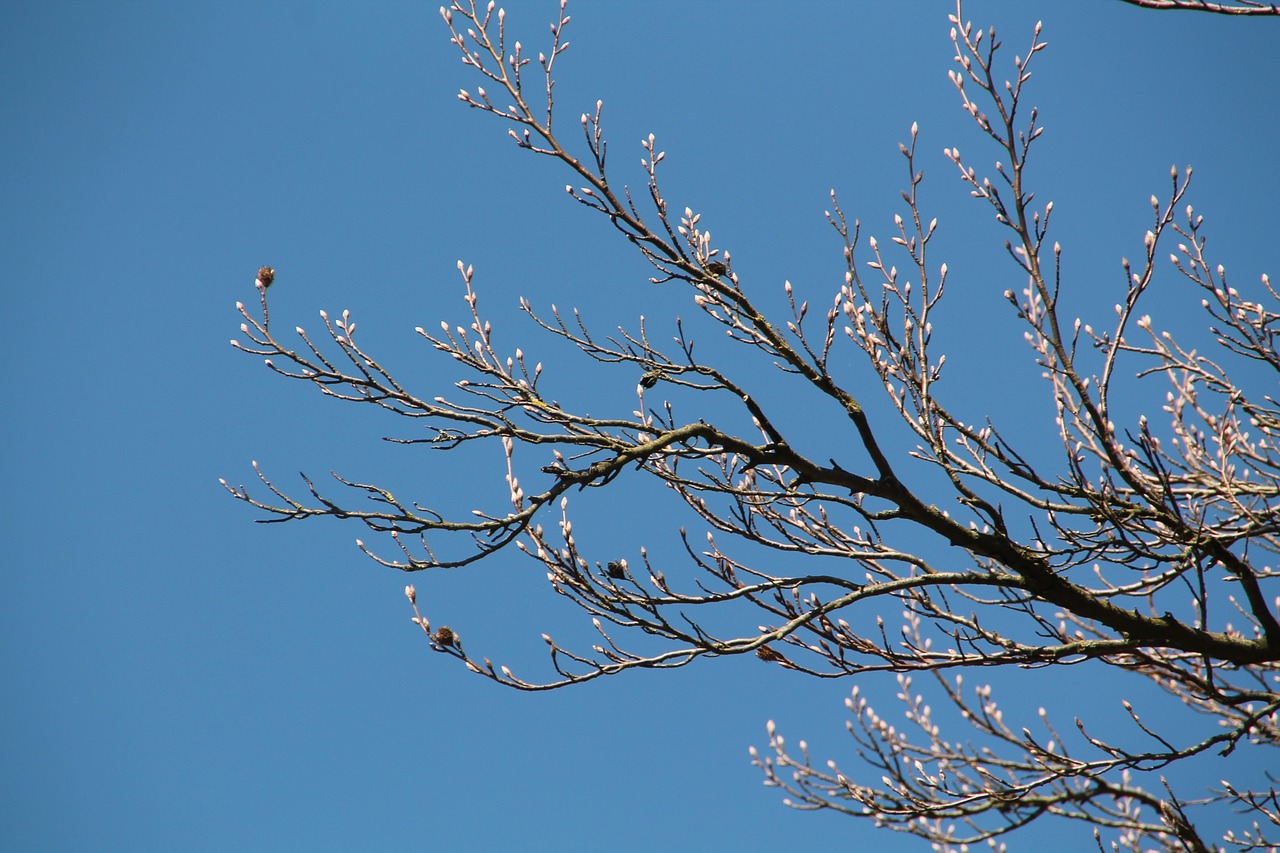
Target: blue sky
[178, 677]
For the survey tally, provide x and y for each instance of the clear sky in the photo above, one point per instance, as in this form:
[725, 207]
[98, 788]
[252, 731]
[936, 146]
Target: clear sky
[177, 677]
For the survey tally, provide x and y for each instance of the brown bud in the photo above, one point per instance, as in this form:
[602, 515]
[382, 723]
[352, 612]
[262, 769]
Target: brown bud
[766, 653]
[266, 275]
[445, 636]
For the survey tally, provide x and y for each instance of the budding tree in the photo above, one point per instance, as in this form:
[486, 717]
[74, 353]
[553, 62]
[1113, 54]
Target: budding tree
[1140, 545]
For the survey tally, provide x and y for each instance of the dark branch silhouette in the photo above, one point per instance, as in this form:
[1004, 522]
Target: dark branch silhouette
[1144, 546]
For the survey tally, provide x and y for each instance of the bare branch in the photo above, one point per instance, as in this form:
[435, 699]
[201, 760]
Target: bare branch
[1238, 7]
[1144, 550]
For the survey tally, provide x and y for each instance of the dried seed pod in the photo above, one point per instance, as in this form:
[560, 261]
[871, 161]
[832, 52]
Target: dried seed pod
[266, 275]
[445, 636]
[766, 653]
